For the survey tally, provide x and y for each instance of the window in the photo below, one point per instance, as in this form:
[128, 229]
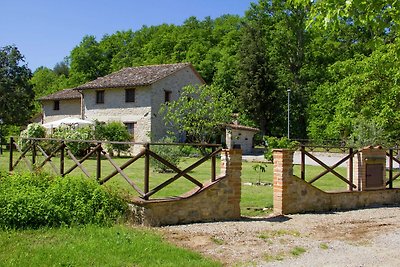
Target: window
[56, 105]
[131, 127]
[129, 95]
[100, 97]
[167, 96]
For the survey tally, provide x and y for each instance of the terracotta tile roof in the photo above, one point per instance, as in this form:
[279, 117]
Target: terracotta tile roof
[64, 94]
[135, 76]
[241, 127]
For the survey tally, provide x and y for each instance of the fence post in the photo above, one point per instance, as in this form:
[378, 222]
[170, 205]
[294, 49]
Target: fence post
[98, 162]
[62, 155]
[391, 168]
[303, 162]
[33, 152]
[10, 165]
[213, 165]
[351, 169]
[146, 169]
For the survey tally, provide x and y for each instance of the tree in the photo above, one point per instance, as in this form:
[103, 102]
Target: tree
[46, 81]
[362, 93]
[88, 61]
[62, 68]
[16, 94]
[379, 14]
[287, 43]
[257, 91]
[200, 112]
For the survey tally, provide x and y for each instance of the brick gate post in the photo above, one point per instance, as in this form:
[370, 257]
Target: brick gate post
[231, 166]
[283, 173]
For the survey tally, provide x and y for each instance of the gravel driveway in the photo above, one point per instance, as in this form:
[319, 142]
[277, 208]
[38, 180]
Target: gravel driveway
[367, 237]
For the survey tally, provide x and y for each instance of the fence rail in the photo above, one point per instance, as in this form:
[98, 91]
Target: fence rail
[392, 156]
[329, 169]
[61, 150]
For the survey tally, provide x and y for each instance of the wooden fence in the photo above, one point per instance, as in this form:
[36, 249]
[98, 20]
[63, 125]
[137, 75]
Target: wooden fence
[59, 148]
[305, 152]
[392, 156]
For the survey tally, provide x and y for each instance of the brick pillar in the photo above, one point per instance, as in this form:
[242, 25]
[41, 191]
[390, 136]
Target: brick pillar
[358, 170]
[283, 176]
[370, 169]
[231, 167]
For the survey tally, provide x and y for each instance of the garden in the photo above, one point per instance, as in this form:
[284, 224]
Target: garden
[72, 220]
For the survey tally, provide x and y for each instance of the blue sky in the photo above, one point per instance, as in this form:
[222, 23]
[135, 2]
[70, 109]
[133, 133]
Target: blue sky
[45, 31]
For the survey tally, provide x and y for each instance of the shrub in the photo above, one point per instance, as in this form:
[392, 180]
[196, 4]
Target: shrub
[275, 142]
[34, 130]
[190, 151]
[171, 153]
[84, 133]
[36, 200]
[113, 131]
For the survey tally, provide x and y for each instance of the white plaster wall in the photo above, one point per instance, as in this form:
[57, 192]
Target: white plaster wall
[115, 108]
[68, 108]
[242, 137]
[173, 83]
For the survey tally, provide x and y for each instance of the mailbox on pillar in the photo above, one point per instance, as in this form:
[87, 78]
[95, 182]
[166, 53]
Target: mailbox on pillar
[370, 172]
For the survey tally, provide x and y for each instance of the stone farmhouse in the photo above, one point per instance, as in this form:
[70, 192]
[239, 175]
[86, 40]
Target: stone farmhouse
[131, 95]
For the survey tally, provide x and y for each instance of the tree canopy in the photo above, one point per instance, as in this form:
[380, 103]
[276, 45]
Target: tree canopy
[16, 94]
[200, 113]
[338, 58]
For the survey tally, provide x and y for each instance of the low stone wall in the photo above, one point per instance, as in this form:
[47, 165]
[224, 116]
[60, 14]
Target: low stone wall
[216, 201]
[294, 195]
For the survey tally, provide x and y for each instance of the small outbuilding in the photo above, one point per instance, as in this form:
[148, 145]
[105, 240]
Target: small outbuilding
[236, 134]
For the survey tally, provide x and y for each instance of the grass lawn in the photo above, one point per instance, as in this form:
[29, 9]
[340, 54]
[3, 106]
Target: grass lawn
[93, 246]
[254, 199]
[122, 245]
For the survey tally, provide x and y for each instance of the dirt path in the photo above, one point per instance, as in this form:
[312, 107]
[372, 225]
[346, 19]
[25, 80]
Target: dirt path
[368, 237]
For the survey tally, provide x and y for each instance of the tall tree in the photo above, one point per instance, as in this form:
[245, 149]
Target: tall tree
[200, 113]
[288, 42]
[362, 91]
[46, 81]
[16, 94]
[62, 68]
[88, 61]
[257, 91]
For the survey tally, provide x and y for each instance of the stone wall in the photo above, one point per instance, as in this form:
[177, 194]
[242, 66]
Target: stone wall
[216, 201]
[144, 111]
[294, 195]
[115, 108]
[174, 84]
[68, 108]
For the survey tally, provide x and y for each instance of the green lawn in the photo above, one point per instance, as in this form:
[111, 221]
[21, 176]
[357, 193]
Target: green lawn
[93, 246]
[128, 246]
[254, 199]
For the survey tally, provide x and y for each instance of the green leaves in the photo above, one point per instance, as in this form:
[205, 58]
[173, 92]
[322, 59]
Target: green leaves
[37, 200]
[16, 95]
[113, 131]
[200, 112]
[363, 94]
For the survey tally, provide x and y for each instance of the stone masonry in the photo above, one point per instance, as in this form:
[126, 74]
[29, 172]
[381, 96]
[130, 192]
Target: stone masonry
[294, 195]
[216, 201]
